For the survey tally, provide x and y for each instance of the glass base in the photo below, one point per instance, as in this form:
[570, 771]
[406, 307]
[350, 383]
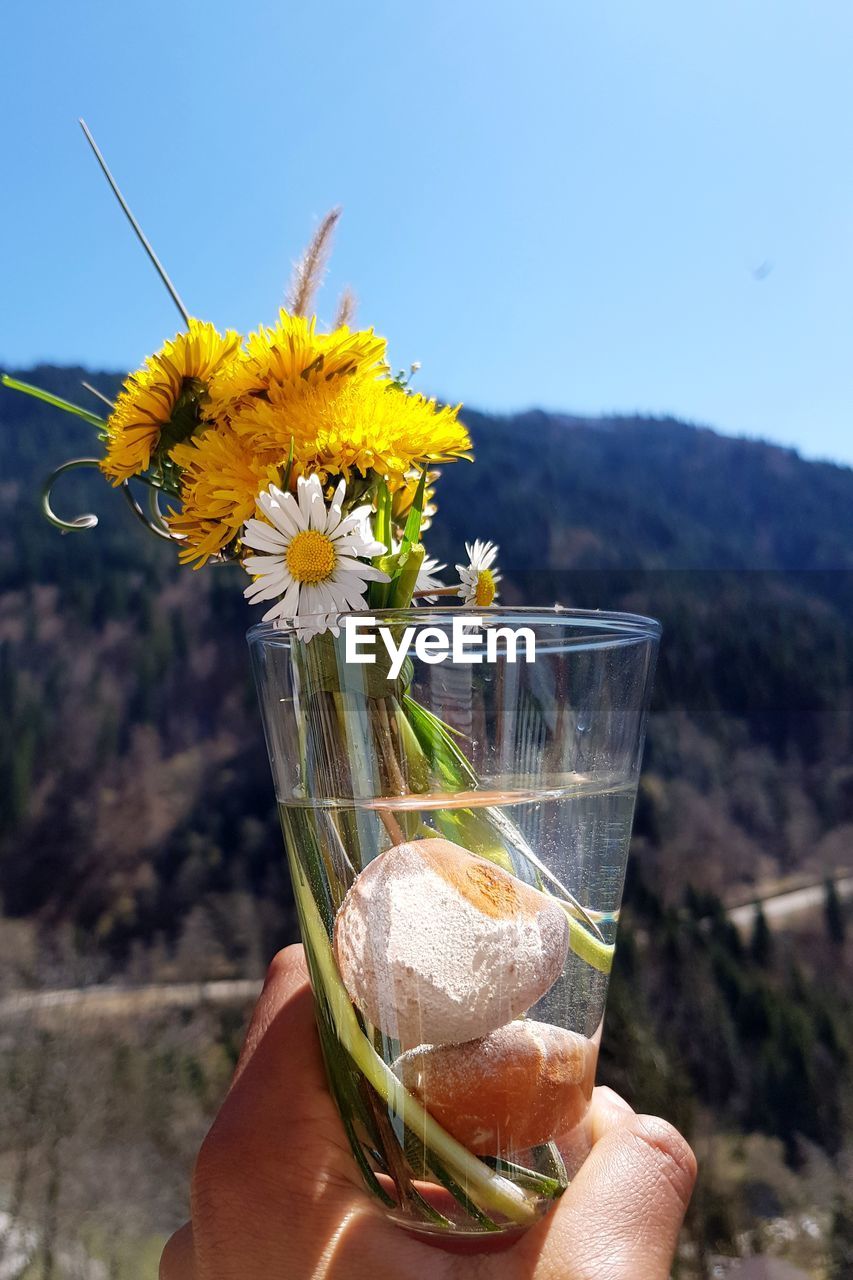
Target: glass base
[462, 1241]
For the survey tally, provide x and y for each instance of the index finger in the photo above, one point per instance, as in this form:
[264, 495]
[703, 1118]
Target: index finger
[286, 978]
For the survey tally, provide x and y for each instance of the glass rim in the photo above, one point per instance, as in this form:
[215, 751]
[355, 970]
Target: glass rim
[620, 627]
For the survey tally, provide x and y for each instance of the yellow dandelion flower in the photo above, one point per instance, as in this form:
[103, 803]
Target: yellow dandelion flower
[372, 426]
[153, 402]
[219, 489]
[292, 357]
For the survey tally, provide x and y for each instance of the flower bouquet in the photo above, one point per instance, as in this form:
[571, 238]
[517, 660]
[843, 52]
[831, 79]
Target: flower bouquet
[456, 781]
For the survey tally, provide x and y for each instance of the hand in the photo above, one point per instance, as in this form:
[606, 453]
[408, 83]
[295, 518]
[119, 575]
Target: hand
[276, 1194]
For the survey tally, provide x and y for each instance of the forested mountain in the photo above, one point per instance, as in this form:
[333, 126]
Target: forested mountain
[125, 687]
[138, 834]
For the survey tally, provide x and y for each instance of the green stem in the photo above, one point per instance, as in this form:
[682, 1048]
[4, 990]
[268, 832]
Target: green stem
[486, 1187]
[588, 948]
[140, 513]
[87, 521]
[436, 591]
[523, 1177]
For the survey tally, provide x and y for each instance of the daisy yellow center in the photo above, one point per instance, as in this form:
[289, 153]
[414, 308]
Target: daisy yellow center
[311, 556]
[485, 592]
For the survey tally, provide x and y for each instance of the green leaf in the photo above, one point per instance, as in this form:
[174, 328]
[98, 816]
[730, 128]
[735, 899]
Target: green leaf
[410, 557]
[58, 403]
[402, 585]
[285, 480]
[364, 1165]
[417, 765]
[412, 531]
[473, 830]
[436, 739]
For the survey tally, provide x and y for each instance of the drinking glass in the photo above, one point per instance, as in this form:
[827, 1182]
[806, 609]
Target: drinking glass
[456, 794]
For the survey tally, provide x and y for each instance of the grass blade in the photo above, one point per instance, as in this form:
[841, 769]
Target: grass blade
[99, 395]
[451, 1185]
[438, 745]
[58, 403]
[552, 1154]
[527, 1178]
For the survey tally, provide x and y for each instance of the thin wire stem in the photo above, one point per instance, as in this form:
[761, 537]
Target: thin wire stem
[143, 240]
[87, 386]
[155, 515]
[139, 512]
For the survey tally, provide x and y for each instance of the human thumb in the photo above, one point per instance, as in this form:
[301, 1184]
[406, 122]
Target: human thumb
[620, 1218]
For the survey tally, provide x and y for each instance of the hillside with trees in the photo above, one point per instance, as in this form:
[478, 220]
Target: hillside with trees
[138, 835]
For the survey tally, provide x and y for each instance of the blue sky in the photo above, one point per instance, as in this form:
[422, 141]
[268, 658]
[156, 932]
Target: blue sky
[585, 207]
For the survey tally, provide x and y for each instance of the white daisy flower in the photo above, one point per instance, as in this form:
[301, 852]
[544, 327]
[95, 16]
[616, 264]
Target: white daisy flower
[478, 582]
[313, 557]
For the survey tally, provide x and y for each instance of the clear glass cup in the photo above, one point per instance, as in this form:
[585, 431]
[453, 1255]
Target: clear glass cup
[459, 979]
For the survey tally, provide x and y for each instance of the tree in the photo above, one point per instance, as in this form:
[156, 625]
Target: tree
[840, 1242]
[761, 943]
[836, 924]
